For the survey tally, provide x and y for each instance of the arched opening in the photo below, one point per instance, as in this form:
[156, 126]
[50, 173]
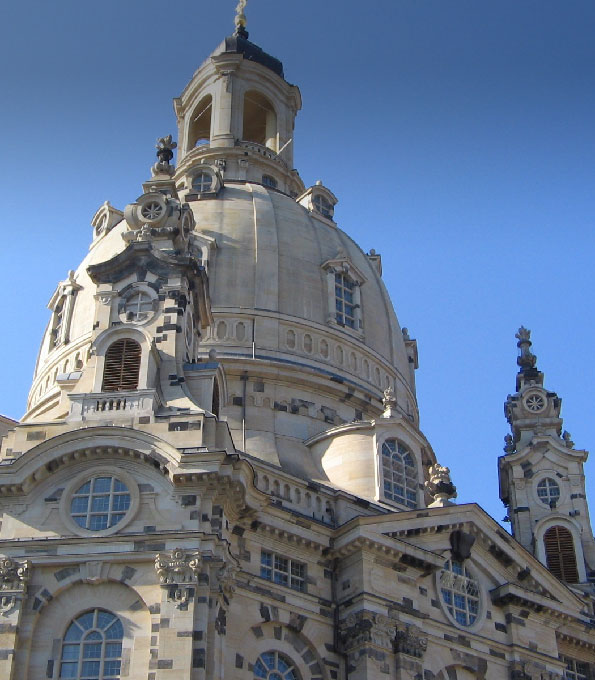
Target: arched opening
[260, 120]
[560, 555]
[399, 473]
[122, 366]
[199, 133]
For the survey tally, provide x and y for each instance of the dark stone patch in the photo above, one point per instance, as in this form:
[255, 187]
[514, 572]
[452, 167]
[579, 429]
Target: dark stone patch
[257, 630]
[127, 574]
[149, 529]
[185, 633]
[500, 627]
[238, 531]
[408, 602]
[5, 653]
[65, 573]
[423, 591]
[155, 608]
[154, 641]
[435, 603]
[239, 661]
[164, 623]
[36, 435]
[198, 658]
[326, 612]
[188, 499]
[278, 632]
[154, 628]
[237, 401]
[144, 420]
[7, 628]
[497, 654]
[178, 427]
[140, 546]
[197, 425]
[194, 514]
[49, 671]
[197, 635]
[165, 664]
[307, 656]
[45, 593]
[315, 669]
[264, 612]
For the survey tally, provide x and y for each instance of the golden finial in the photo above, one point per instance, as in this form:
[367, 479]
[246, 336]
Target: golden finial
[240, 19]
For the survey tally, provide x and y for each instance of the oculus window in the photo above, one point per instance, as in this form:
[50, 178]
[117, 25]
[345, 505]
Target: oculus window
[100, 503]
[548, 491]
[460, 593]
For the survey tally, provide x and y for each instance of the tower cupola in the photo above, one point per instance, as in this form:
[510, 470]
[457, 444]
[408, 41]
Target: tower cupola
[237, 114]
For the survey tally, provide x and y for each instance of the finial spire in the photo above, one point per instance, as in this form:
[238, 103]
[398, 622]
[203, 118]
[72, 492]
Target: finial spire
[526, 358]
[240, 19]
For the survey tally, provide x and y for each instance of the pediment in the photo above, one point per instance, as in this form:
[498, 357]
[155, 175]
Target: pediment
[514, 573]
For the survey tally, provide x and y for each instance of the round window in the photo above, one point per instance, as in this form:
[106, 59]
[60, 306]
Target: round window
[152, 210]
[548, 491]
[460, 593]
[100, 503]
[534, 402]
[137, 306]
[202, 182]
[274, 666]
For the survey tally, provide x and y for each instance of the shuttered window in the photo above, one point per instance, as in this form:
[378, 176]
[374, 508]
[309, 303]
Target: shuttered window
[560, 555]
[122, 366]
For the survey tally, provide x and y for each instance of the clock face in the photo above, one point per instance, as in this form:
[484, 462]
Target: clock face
[534, 402]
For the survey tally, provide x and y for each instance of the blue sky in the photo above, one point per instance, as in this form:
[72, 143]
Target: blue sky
[458, 137]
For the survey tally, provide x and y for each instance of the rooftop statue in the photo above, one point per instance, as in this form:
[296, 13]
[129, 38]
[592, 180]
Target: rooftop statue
[526, 359]
[165, 153]
[240, 19]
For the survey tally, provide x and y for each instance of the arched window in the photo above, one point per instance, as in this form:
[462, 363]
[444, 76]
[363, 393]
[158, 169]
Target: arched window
[122, 366]
[560, 555]
[275, 666]
[269, 181]
[92, 647]
[58, 322]
[260, 120]
[202, 182]
[399, 473]
[199, 133]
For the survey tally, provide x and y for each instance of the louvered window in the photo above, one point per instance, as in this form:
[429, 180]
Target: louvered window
[560, 555]
[122, 366]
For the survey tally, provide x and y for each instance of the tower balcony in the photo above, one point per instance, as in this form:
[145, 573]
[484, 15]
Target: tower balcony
[112, 405]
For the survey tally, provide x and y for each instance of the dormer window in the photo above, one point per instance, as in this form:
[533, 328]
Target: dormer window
[323, 206]
[344, 302]
[62, 305]
[399, 474]
[58, 322]
[202, 181]
[344, 281]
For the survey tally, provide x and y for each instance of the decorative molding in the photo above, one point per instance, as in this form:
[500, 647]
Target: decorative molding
[366, 628]
[179, 567]
[410, 640]
[14, 575]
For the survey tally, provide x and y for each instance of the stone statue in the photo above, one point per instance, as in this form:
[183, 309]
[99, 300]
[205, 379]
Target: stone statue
[567, 437]
[440, 486]
[389, 402]
[509, 446]
[165, 153]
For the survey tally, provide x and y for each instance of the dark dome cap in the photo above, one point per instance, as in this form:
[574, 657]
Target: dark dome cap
[240, 45]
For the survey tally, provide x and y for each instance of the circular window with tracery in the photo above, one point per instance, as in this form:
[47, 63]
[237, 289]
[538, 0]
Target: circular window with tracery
[275, 666]
[460, 593]
[100, 503]
[137, 306]
[152, 210]
[534, 403]
[548, 491]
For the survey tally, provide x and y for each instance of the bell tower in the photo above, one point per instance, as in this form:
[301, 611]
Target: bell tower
[542, 481]
[237, 115]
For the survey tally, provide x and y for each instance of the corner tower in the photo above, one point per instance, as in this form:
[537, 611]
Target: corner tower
[542, 481]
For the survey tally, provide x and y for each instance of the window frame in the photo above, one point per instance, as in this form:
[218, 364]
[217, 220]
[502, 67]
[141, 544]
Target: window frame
[291, 672]
[295, 581]
[572, 671]
[78, 481]
[96, 630]
[406, 502]
[469, 574]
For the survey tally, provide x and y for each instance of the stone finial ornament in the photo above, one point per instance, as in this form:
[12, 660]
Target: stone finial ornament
[567, 437]
[526, 358]
[389, 401]
[240, 19]
[509, 445]
[440, 486]
[165, 153]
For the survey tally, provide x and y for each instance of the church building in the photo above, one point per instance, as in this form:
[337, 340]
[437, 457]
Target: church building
[220, 473]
